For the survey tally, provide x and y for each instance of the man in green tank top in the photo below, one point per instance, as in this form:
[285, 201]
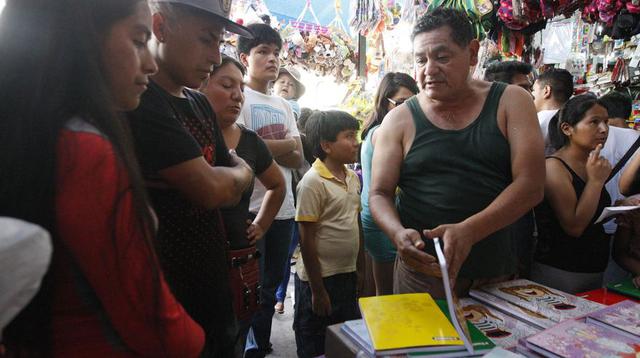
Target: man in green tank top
[467, 156]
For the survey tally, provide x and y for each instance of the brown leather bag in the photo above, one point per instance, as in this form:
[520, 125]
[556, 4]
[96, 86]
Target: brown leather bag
[244, 278]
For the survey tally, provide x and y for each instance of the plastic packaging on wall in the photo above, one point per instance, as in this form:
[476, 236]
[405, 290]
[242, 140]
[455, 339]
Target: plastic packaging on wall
[556, 41]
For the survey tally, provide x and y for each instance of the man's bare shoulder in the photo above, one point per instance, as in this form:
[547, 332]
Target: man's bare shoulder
[397, 120]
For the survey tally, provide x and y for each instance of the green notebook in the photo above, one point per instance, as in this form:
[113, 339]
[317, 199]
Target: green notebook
[625, 287]
[481, 344]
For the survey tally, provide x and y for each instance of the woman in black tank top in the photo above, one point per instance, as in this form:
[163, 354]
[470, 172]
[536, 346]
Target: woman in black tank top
[572, 251]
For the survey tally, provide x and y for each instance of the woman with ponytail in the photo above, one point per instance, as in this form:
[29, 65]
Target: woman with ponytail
[573, 250]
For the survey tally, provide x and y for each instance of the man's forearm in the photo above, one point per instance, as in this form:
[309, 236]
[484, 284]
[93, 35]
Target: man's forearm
[384, 213]
[515, 200]
[279, 147]
[291, 160]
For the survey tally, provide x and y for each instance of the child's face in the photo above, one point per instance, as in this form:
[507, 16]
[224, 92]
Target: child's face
[190, 47]
[263, 62]
[128, 62]
[225, 92]
[345, 149]
[285, 87]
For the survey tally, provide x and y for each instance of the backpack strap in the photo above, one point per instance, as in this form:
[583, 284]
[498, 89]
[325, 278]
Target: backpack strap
[624, 159]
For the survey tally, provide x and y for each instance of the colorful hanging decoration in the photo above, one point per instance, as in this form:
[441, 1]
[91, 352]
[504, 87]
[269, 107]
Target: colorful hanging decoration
[325, 51]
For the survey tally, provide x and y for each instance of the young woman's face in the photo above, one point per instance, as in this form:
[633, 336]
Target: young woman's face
[190, 47]
[401, 95]
[591, 130]
[225, 92]
[126, 58]
[285, 86]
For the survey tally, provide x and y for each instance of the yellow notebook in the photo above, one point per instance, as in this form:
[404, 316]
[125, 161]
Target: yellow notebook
[408, 322]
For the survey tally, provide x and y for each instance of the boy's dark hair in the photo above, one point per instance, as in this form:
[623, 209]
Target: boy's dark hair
[505, 70]
[326, 125]
[572, 113]
[618, 104]
[263, 34]
[561, 82]
[457, 20]
[305, 113]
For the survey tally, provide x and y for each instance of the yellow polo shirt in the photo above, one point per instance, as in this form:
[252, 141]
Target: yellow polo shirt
[334, 205]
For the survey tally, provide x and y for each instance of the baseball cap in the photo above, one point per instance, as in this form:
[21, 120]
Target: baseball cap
[220, 9]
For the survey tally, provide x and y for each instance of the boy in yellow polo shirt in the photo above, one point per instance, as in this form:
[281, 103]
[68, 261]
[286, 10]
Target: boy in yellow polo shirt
[330, 241]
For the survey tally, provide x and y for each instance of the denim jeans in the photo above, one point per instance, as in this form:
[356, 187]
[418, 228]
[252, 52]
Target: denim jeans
[274, 247]
[281, 293]
[309, 328]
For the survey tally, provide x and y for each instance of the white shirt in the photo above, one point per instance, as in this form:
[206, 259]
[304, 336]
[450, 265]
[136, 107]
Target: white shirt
[543, 119]
[25, 252]
[618, 143]
[272, 118]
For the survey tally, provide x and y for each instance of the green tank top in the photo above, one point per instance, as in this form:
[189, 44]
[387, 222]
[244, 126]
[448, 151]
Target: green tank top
[450, 175]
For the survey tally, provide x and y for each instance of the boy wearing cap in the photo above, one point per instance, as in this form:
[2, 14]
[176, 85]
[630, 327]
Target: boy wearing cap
[272, 118]
[289, 87]
[187, 167]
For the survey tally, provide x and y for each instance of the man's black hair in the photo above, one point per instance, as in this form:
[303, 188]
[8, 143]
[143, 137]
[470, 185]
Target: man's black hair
[618, 104]
[457, 20]
[326, 125]
[262, 35]
[505, 70]
[561, 83]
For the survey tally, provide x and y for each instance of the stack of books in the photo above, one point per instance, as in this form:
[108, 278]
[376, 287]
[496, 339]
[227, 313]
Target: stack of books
[563, 325]
[416, 325]
[611, 332]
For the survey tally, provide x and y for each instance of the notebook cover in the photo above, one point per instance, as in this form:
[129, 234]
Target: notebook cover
[556, 305]
[626, 288]
[575, 338]
[535, 319]
[404, 322]
[623, 316]
[502, 329]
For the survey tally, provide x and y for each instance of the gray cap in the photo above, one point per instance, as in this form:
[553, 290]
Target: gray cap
[220, 9]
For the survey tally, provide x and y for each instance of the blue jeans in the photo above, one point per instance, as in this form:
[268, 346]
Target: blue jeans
[281, 293]
[274, 247]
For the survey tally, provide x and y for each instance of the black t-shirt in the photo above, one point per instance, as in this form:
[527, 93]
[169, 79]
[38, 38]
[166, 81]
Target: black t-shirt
[254, 151]
[191, 243]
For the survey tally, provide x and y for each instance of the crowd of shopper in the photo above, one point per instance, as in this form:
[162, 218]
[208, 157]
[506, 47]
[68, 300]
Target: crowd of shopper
[129, 158]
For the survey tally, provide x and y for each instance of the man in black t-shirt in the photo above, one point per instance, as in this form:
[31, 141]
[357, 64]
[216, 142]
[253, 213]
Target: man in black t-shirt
[189, 171]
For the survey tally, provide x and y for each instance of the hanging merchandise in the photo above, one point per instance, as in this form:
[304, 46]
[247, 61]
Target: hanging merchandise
[325, 51]
[620, 74]
[478, 11]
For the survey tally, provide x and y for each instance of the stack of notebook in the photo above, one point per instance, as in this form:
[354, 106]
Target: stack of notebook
[571, 326]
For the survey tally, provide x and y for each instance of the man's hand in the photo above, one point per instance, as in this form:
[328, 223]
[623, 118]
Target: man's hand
[254, 232]
[410, 246]
[458, 240]
[636, 281]
[321, 303]
[237, 162]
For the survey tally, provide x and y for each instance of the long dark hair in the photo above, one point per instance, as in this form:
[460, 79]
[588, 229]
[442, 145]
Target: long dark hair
[389, 86]
[51, 71]
[571, 113]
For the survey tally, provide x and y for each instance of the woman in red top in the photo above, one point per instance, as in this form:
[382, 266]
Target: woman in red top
[68, 67]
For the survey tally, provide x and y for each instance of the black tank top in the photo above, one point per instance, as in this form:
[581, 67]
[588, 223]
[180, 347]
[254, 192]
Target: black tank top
[450, 175]
[588, 253]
